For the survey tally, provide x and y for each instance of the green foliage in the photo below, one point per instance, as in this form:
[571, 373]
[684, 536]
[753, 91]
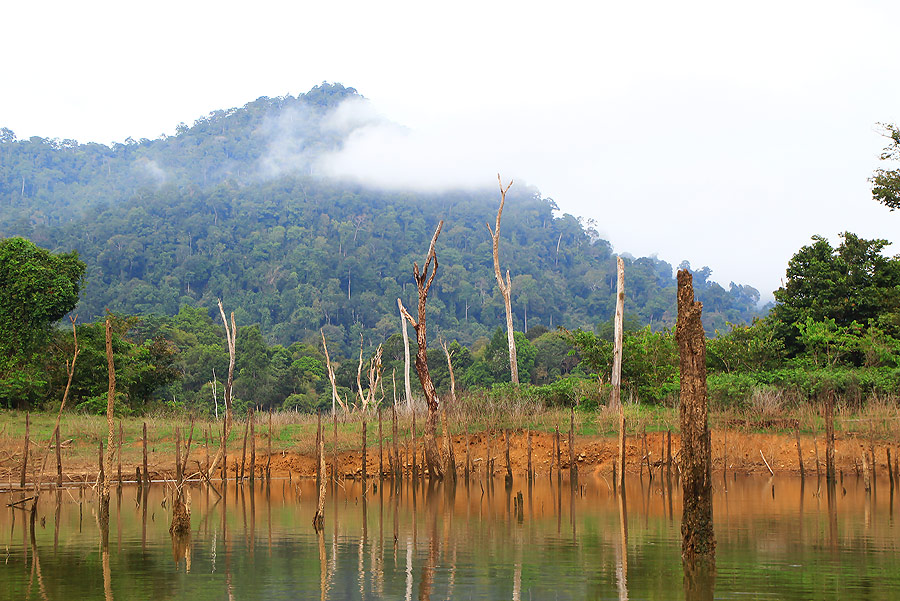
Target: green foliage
[886, 182]
[852, 283]
[36, 289]
[745, 348]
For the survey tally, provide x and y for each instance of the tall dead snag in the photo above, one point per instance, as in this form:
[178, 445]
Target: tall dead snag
[335, 397]
[449, 356]
[230, 337]
[408, 388]
[424, 279]
[505, 286]
[374, 373]
[698, 538]
[615, 380]
[110, 405]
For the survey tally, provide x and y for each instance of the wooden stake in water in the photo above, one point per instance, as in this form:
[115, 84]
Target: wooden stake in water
[252, 445]
[573, 468]
[396, 442]
[319, 518]
[269, 450]
[509, 476]
[829, 437]
[178, 474]
[244, 449]
[380, 449]
[119, 454]
[334, 456]
[319, 450]
[144, 443]
[58, 458]
[530, 471]
[25, 449]
[364, 455]
[799, 454]
[102, 472]
[415, 446]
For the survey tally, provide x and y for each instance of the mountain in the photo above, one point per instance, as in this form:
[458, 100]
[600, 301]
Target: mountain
[232, 207]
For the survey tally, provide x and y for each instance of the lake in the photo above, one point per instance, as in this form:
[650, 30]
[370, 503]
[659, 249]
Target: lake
[777, 538]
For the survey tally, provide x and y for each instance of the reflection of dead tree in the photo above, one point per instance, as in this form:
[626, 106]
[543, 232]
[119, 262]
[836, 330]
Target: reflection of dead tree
[335, 397]
[374, 373]
[230, 337]
[504, 286]
[424, 279]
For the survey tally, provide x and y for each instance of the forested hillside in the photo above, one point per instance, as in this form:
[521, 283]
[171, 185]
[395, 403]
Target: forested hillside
[229, 208]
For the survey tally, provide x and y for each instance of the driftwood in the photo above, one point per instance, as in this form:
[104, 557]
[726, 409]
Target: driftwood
[504, 286]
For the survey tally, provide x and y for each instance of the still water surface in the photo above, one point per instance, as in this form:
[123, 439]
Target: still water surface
[777, 539]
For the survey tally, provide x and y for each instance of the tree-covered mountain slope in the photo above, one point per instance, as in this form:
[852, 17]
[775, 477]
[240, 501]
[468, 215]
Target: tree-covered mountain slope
[231, 208]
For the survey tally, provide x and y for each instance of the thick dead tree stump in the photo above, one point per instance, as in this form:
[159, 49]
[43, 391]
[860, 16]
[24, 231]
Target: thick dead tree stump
[504, 286]
[698, 538]
[424, 279]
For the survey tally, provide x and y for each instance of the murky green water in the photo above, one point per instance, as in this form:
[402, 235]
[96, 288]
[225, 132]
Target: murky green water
[776, 540]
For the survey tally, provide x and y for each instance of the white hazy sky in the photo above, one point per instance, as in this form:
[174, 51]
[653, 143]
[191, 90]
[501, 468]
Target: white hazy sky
[724, 133]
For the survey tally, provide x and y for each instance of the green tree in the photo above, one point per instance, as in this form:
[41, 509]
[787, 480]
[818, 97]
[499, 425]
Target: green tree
[886, 182]
[37, 288]
[853, 282]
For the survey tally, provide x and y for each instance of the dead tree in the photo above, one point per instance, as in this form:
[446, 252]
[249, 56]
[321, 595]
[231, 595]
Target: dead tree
[230, 337]
[452, 375]
[110, 406]
[424, 279]
[408, 388]
[335, 397]
[615, 399]
[698, 539]
[505, 286]
[374, 372]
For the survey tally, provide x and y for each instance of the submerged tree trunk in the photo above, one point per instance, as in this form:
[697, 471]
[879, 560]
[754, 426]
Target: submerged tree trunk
[698, 538]
[505, 286]
[110, 406]
[424, 279]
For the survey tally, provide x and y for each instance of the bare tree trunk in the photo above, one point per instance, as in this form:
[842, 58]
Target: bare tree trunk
[698, 537]
[144, 443]
[530, 470]
[505, 286]
[252, 446]
[424, 279]
[110, 405]
[616, 378]
[621, 446]
[406, 383]
[335, 397]
[319, 518]
[829, 438]
[25, 450]
[452, 375]
[230, 337]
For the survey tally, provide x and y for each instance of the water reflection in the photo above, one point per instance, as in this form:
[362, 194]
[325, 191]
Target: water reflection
[432, 541]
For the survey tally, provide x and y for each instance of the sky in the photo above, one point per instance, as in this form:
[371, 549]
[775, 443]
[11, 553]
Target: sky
[722, 133]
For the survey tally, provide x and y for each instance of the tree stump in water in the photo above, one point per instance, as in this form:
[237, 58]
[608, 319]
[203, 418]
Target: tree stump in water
[698, 538]
[181, 514]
